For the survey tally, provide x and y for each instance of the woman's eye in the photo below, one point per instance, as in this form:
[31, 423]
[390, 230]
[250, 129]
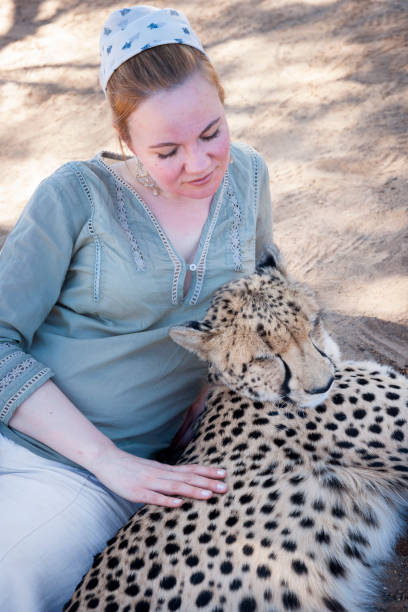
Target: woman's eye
[165, 155]
[174, 151]
[211, 136]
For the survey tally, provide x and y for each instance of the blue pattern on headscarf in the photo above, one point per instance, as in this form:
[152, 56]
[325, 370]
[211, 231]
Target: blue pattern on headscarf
[130, 28]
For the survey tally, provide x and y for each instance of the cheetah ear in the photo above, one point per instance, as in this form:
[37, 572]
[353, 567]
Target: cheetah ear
[271, 259]
[193, 336]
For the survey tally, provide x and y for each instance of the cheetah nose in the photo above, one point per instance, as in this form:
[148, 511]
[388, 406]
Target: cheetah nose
[317, 390]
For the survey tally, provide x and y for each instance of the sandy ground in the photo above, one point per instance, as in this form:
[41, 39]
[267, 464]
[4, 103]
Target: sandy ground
[319, 87]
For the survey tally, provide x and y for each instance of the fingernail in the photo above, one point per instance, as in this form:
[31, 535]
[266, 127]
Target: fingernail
[221, 472]
[205, 492]
[176, 500]
[221, 486]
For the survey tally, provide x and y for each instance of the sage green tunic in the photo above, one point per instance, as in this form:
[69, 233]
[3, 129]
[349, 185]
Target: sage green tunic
[90, 284]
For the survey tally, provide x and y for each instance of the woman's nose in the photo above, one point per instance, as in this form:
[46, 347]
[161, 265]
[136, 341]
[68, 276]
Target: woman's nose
[197, 161]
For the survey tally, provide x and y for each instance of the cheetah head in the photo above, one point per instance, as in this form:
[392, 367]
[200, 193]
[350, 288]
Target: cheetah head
[263, 337]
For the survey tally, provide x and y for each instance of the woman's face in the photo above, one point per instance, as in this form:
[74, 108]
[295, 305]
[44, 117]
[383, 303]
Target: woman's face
[181, 136]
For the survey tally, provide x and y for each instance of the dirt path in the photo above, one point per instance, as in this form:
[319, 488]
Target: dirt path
[319, 87]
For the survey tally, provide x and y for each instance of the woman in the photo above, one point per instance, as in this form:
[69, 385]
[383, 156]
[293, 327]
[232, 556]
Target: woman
[108, 255]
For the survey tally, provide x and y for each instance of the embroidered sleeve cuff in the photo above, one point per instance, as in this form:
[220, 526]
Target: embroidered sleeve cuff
[20, 376]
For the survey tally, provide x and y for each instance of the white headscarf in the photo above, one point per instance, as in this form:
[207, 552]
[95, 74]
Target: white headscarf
[129, 31]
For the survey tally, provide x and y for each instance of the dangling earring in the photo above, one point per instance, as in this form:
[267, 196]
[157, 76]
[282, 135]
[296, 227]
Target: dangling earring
[145, 179]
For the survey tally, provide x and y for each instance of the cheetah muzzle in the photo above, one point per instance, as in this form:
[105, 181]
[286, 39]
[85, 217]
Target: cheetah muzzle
[316, 455]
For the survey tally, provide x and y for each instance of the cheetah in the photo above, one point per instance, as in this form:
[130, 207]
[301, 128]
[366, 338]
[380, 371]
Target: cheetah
[316, 455]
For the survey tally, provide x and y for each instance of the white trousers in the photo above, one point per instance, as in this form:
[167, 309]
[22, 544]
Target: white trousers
[53, 520]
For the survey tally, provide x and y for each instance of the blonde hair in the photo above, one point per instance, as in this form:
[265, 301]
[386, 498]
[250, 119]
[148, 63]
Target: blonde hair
[152, 70]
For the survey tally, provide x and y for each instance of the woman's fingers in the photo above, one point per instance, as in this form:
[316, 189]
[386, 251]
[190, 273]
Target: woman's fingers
[176, 488]
[151, 482]
[186, 483]
[201, 470]
[146, 496]
[190, 468]
[198, 476]
[195, 480]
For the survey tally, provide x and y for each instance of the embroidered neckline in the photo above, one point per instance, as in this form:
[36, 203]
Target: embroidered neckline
[112, 171]
[123, 220]
[203, 257]
[178, 262]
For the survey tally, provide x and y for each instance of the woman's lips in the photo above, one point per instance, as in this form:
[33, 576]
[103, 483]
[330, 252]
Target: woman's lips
[202, 180]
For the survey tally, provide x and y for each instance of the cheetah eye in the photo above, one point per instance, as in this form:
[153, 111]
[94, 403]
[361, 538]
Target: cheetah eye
[316, 322]
[264, 358]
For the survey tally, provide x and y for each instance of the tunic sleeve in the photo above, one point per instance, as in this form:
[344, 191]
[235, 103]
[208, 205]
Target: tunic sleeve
[33, 265]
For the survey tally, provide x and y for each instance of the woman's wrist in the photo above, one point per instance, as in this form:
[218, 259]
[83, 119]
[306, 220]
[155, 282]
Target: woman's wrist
[94, 455]
[51, 418]
[104, 455]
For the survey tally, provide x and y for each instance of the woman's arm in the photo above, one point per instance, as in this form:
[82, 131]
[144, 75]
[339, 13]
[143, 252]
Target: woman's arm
[184, 434]
[50, 417]
[33, 267]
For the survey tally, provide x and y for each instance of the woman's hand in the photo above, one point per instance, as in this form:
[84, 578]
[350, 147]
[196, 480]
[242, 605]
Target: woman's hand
[50, 417]
[151, 482]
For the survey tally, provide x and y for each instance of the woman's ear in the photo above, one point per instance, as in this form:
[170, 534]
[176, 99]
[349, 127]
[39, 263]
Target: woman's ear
[123, 140]
[118, 133]
[129, 146]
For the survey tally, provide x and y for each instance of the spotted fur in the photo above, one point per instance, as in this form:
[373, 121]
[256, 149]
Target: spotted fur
[317, 472]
